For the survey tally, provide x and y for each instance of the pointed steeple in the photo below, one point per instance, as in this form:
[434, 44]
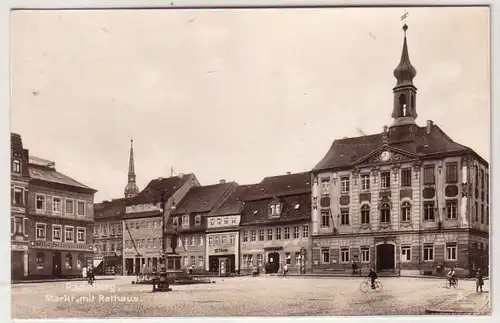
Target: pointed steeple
[405, 93]
[131, 189]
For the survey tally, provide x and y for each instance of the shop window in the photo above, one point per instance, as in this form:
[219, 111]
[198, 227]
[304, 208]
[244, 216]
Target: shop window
[40, 260]
[325, 256]
[69, 261]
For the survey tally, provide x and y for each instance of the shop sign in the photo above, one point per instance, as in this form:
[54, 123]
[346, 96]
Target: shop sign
[221, 250]
[61, 245]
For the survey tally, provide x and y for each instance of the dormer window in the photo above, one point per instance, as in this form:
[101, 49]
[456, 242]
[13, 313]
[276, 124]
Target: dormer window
[275, 209]
[185, 220]
[197, 220]
[16, 166]
[175, 222]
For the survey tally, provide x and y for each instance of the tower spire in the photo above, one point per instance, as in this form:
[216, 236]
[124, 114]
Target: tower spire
[131, 189]
[405, 93]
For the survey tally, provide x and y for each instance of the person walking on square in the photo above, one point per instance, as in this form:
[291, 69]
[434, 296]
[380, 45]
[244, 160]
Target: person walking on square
[84, 272]
[479, 280]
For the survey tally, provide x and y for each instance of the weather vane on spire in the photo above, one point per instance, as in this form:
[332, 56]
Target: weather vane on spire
[404, 16]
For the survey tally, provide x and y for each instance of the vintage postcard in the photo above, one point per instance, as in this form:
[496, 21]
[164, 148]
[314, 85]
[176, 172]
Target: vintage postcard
[250, 162]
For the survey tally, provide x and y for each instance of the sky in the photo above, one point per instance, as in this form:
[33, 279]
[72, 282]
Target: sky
[234, 94]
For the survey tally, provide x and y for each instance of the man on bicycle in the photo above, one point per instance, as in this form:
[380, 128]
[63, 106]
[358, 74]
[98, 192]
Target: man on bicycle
[373, 276]
[452, 276]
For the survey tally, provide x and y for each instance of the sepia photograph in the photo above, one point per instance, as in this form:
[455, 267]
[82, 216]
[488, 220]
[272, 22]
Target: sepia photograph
[218, 162]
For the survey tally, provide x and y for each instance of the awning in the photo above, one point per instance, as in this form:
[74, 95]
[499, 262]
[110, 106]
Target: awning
[97, 262]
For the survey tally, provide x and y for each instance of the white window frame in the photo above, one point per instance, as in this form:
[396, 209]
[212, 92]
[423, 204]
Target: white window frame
[343, 258]
[405, 205]
[288, 258]
[364, 254]
[253, 235]
[382, 184]
[84, 207]
[449, 247]
[25, 225]
[175, 221]
[233, 220]
[323, 253]
[345, 214]
[278, 235]
[345, 184]
[305, 231]
[226, 220]
[210, 241]
[325, 186]
[16, 166]
[66, 207]
[197, 220]
[296, 232]
[22, 190]
[405, 253]
[44, 225]
[54, 203]
[451, 212]
[185, 221]
[269, 234]
[428, 247]
[286, 233]
[200, 261]
[44, 206]
[72, 229]
[231, 239]
[61, 232]
[365, 182]
[245, 235]
[191, 243]
[262, 235]
[260, 259]
[325, 214]
[84, 234]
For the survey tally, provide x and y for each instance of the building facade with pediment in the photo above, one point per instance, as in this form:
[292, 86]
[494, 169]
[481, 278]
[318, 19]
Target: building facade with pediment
[406, 199]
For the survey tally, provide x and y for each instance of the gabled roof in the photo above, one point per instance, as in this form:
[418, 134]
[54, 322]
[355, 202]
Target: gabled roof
[234, 203]
[109, 209]
[282, 185]
[152, 193]
[49, 174]
[203, 199]
[347, 152]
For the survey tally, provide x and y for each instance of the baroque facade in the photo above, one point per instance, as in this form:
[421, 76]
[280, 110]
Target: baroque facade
[61, 216]
[275, 225]
[19, 176]
[406, 199]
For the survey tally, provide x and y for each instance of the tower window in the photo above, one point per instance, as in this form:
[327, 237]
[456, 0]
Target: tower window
[402, 105]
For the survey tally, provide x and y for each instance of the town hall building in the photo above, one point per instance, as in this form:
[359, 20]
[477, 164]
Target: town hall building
[406, 199]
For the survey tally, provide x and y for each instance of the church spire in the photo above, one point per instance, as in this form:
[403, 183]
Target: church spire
[131, 189]
[405, 93]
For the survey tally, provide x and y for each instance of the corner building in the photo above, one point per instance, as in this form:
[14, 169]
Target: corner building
[409, 199]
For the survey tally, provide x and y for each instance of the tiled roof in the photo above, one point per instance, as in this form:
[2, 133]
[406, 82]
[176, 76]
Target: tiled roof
[234, 203]
[202, 199]
[109, 209]
[293, 208]
[153, 191]
[51, 175]
[346, 152]
[281, 185]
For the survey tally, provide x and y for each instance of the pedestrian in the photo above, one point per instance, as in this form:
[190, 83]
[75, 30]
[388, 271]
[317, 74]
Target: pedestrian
[479, 281]
[285, 270]
[354, 267]
[84, 272]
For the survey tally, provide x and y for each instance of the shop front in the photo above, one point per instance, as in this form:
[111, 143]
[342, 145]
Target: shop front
[218, 249]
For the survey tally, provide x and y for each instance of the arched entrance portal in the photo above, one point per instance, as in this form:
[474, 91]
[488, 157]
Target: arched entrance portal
[385, 257]
[273, 259]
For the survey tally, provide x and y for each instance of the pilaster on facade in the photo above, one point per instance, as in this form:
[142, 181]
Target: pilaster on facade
[416, 189]
[395, 197]
[354, 210]
[315, 216]
[375, 201]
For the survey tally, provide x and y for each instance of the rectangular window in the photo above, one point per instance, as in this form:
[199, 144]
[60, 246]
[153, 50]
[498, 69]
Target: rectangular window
[428, 211]
[429, 177]
[18, 226]
[56, 232]
[197, 220]
[80, 208]
[296, 232]
[325, 219]
[210, 240]
[80, 234]
[297, 258]
[259, 260]
[200, 261]
[487, 215]
[428, 253]
[231, 239]
[365, 254]
[325, 256]
[385, 180]
[40, 202]
[287, 234]
[344, 255]
[69, 207]
[193, 261]
[405, 177]
[192, 241]
[269, 234]
[226, 220]
[305, 231]
[345, 184]
[56, 205]
[18, 196]
[451, 252]
[261, 235]
[278, 233]
[476, 210]
[482, 214]
[69, 234]
[245, 236]
[451, 209]
[16, 166]
[288, 259]
[41, 229]
[325, 186]
[482, 179]
[365, 182]
[405, 253]
[233, 220]
[155, 242]
[185, 220]
[253, 235]
[365, 214]
[212, 222]
[219, 221]
[451, 172]
[344, 214]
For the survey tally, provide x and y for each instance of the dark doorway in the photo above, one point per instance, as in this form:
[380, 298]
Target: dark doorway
[56, 264]
[137, 266]
[273, 262]
[214, 263]
[385, 257]
[129, 266]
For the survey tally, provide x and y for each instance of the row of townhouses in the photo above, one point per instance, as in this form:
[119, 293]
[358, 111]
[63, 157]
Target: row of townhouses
[408, 198]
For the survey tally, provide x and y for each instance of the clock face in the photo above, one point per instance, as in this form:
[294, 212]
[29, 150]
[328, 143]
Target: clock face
[385, 156]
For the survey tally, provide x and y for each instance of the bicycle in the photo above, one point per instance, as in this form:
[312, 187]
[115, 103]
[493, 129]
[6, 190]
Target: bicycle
[451, 282]
[366, 285]
[91, 279]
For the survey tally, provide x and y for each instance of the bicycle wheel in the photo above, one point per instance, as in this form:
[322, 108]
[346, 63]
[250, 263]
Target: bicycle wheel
[378, 286]
[448, 284]
[364, 287]
[455, 283]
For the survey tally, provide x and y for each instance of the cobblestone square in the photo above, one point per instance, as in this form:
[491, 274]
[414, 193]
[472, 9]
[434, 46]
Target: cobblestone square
[242, 296]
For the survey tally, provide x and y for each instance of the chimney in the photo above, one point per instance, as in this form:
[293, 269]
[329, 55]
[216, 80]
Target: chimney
[222, 181]
[181, 175]
[429, 126]
[386, 128]
[288, 173]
